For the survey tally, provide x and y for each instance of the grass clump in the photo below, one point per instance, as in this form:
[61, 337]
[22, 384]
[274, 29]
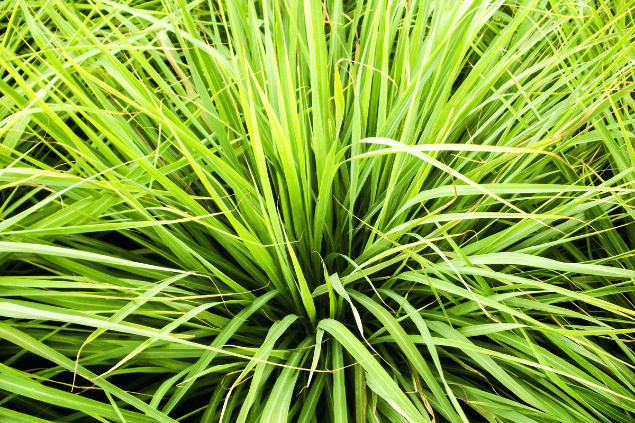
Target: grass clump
[296, 211]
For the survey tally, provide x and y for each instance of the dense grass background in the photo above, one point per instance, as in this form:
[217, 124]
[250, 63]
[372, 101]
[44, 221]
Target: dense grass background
[295, 211]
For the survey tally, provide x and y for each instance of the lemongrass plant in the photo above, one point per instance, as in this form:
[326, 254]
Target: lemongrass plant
[304, 211]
